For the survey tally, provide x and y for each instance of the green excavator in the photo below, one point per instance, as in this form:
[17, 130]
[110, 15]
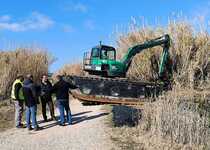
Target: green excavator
[107, 82]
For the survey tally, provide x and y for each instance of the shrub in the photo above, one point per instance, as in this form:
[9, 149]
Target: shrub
[70, 69]
[22, 61]
[179, 118]
[189, 50]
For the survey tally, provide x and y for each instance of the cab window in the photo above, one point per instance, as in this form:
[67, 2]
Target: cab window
[111, 55]
[95, 52]
[108, 54]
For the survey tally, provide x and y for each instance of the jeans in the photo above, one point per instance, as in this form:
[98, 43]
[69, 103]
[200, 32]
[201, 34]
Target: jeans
[64, 104]
[51, 107]
[31, 115]
[18, 112]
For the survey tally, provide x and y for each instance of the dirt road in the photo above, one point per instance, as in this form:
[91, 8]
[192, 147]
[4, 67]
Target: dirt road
[88, 132]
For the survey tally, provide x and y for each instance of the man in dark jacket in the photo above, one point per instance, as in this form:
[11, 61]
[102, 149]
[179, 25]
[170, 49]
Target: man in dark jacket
[31, 100]
[46, 97]
[61, 88]
[18, 99]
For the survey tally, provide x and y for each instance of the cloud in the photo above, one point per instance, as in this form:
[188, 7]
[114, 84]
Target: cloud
[77, 7]
[89, 24]
[80, 7]
[68, 28]
[5, 18]
[36, 21]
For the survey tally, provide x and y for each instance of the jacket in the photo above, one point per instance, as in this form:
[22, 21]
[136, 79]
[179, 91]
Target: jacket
[17, 91]
[46, 90]
[61, 89]
[29, 92]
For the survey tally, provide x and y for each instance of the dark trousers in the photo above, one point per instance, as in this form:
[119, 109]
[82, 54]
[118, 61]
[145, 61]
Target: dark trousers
[45, 102]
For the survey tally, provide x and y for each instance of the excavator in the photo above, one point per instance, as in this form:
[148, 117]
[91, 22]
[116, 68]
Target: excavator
[107, 82]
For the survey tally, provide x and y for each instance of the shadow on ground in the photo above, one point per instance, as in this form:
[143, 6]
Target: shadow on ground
[76, 118]
[125, 115]
[79, 119]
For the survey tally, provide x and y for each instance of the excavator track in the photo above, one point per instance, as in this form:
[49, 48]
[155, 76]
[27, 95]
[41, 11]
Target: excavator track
[114, 91]
[107, 100]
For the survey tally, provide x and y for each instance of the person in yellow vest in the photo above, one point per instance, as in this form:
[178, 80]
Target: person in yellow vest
[18, 99]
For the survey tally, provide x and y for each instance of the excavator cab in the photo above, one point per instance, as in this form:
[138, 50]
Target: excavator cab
[103, 52]
[99, 60]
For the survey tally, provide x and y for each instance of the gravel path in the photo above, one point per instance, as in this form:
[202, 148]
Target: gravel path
[88, 132]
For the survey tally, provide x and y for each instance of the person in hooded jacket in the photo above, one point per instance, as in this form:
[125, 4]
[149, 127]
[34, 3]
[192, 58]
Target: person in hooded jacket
[31, 101]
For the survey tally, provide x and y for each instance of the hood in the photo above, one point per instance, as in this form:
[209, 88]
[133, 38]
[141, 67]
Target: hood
[27, 82]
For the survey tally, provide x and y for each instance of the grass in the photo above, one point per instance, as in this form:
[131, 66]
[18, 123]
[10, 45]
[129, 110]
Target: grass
[23, 61]
[189, 49]
[179, 118]
[6, 115]
[70, 69]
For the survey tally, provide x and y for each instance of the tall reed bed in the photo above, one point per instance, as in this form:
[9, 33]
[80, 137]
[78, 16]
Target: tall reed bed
[189, 50]
[179, 118]
[70, 69]
[23, 61]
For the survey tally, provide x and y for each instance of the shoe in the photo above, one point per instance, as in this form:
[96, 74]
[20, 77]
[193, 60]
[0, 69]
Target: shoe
[61, 124]
[45, 120]
[30, 128]
[20, 126]
[38, 128]
[70, 123]
[54, 119]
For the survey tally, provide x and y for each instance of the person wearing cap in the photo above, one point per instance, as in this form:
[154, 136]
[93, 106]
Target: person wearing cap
[61, 89]
[18, 99]
[31, 101]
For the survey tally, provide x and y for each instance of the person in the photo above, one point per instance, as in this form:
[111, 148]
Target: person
[46, 97]
[18, 99]
[61, 89]
[31, 101]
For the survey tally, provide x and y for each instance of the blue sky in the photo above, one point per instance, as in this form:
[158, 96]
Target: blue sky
[67, 28]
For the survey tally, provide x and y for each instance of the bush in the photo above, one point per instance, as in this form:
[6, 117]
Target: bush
[176, 120]
[189, 50]
[22, 61]
[70, 69]
[179, 118]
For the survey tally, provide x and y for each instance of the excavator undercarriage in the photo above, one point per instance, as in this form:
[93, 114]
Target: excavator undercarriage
[115, 91]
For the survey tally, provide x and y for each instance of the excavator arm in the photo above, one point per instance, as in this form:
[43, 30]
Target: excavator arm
[163, 40]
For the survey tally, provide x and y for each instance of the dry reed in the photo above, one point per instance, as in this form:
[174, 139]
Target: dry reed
[179, 118]
[189, 50]
[22, 61]
[70, 69]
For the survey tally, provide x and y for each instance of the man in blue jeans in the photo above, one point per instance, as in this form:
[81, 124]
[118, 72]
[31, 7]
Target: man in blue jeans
[31, 101]
[61, 89]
